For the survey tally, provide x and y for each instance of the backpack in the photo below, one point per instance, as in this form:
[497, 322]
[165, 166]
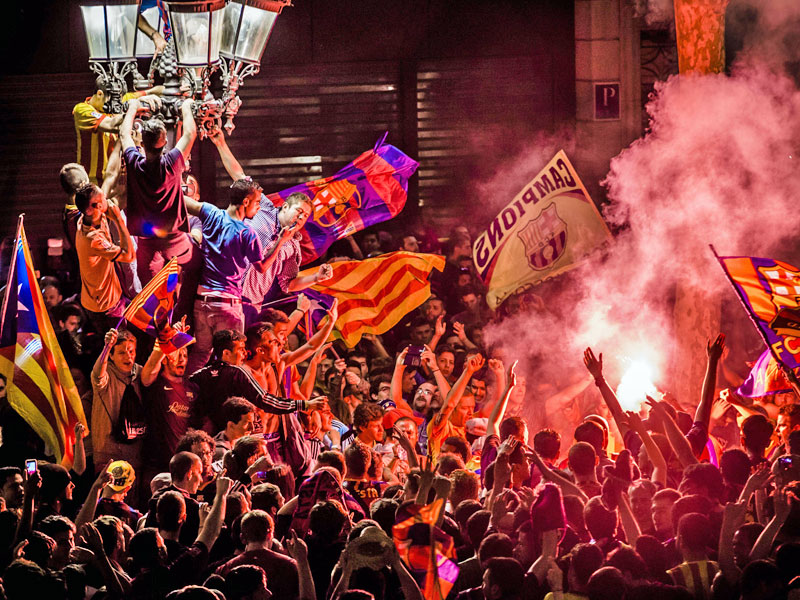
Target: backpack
[130, 425]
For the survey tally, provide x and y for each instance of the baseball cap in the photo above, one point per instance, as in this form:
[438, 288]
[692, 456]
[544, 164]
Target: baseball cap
[122, 475]
[477, 426]
[390, 417]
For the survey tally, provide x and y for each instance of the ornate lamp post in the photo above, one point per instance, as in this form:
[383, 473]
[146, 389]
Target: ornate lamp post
[206, 34]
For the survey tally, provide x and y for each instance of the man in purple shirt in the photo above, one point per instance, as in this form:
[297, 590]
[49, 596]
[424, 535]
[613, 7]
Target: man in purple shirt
[156, 208]
[230, 246]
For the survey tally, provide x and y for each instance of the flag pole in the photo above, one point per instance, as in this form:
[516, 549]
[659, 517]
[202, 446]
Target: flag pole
[790, 375]
[12, 269]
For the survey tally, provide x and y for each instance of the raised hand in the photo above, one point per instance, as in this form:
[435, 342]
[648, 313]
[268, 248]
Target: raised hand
[428, 357]
[351, 378]
[401, 357]
[317, 403]
[440, 327]
[296, 547]
[714, 349]
[633, 420]
[224, 484]
[80, 430]
[441, 486]
[93, 539]
[496, 366]
[474, 363]
[593, 364]
[324, 272]
[340, 364]
[783, 504]
[111, 337]
[458, 329]
[333, 311]
[512, 374]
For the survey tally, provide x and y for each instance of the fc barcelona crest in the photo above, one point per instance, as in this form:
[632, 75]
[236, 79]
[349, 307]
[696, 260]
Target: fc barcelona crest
[334, 201]
[545, 239]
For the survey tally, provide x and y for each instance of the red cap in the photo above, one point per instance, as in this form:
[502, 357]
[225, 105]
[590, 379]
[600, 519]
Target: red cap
[390, 417]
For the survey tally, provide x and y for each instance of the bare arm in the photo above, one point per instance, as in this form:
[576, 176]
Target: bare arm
[79, 450]
[714, 351]
[189, 129]
[500, 407]
[303, 305]
[127, 250]
[86, 513]
[310, 377]
[567, 487]
[732, 519]
[284, 235]
[193, 207]
[763, 545]
[408, 585]
[397, 382]
[298, 550]
[680, 445]
[152, 367]
[438, 332]
[474, 363]
[126, 129]
[595, 367]
[629, 524]
[653, 451]
[316, 340]
[429, 362]
[213, 525]
[101, 364]
[229, 161]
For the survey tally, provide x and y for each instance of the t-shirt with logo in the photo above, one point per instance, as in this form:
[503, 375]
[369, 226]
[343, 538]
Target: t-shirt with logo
[169, 404]
[229, 247]
[365, 492]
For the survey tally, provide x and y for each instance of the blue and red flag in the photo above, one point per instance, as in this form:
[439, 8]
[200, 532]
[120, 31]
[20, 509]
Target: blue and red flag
[765, 379]
[39, 386]
[770, 293]
[371, 189]
[151, 309]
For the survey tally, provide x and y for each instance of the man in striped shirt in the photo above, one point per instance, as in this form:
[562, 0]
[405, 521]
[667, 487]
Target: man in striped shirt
[696, 572]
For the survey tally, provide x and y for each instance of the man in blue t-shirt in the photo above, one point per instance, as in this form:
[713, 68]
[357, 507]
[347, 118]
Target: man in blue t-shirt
[156, 209]
[229, 246]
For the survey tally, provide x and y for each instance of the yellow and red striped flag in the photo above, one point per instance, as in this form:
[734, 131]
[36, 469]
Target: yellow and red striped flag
[39, 385]
[374, 294]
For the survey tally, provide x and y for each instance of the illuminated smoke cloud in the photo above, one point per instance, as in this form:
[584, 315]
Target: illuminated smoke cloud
[719, 165]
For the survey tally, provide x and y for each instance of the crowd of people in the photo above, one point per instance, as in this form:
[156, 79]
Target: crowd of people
[268, 462]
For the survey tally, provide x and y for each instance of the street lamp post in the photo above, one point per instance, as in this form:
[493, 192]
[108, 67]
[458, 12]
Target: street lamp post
[206, 35]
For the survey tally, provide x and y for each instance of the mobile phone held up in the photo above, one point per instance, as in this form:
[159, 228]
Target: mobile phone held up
[31, 466]
[413, 356]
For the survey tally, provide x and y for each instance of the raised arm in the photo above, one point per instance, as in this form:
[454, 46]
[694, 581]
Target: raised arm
[152, 367]
[284, 235]
[763, 545]
[189, 129]
[438, 331]
[714, 352]
[126, 129]
[652, 449]
[429, 361]
[298, 550]
[473, 364]
[316, 340]
[303, 282]
[230, 163]
[567, 487]
[680, 445]
[732, 518]
[499, 409]
[397, 382]
[86, 513]
[213, 524]
[595, 367]
[101, 364]
[127, 252]
[310, 377]
[79, 450]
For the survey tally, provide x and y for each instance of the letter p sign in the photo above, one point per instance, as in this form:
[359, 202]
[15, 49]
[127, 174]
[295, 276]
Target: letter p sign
[606, 101]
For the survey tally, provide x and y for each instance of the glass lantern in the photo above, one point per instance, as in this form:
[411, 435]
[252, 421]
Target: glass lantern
[197, 28]
[246, 28]
[111, 29]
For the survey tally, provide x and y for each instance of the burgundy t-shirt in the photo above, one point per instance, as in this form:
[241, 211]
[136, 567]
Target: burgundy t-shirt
[169, 404]
[155, 199]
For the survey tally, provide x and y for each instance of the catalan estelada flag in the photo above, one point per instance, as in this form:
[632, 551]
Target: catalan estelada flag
[151, 309]
[765, 379]
[39, 385]
[426, 550]
[770, 293]
[374, 294]
[371, 189]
